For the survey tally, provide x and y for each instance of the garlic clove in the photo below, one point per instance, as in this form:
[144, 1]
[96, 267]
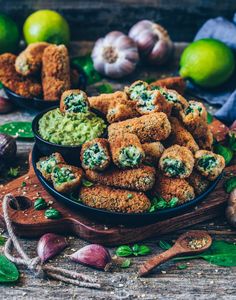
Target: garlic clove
[50, 245]
[93, 255]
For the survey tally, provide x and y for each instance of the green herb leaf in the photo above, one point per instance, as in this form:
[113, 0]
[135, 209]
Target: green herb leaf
[105, 88]
[173, 202]
[8, 271]
[230, 184]
[23, 184]
[143, 250]
[209, 118]
[52, 213]
[124, 251]
[1, 85]
[13, 172]
[2, 240]
[18, 129]
[232, 140]
[164, 245]
[126, 263]
[150, 80]
[87, 183]
[226, 152]
[182, 267]
[40, 204]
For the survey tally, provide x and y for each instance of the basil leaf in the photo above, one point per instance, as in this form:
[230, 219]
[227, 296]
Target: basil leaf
[18, 129]
[87, 183]
[209, 118]
[13, 172]
[164, 245]
[105, 88]
[135, 248]
[226, 152]
[124, 251]
[230, 184]
[8, 271]
[143, 250]
[126, 263]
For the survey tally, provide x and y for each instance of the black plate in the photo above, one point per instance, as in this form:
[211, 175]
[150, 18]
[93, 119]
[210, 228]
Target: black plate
[40, 104]
[115, 217]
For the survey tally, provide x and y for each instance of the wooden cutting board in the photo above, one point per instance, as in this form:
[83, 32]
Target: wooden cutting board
[31, 223]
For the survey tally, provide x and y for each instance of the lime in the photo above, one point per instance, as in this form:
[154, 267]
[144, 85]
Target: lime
[48, 26]
[207, 62]
[9, 34]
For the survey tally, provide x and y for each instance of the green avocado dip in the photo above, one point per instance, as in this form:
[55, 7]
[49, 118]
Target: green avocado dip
[70, 129]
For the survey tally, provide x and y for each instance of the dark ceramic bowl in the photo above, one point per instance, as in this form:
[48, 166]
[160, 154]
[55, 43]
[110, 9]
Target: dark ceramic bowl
[110, 217]
[40, 104]
[70, 153]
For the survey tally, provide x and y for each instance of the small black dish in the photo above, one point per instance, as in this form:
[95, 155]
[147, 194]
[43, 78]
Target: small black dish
[70, 153]
[110, 217]
[40, 104]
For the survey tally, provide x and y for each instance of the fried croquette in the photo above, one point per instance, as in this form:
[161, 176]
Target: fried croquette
[198, 182]
[29, 61]
[25, 87]
[177, 162]
[120, 111]
[206, 141]
[136, 89]
[153, 151]
[66, 178]
[174, 83]
[95, 154]
[55, 72]
[111, 199]
[103, 102]
[75, 101]
[168, 188]
[140, 179]
[181, 136]
[209, 164]
[46, 164]
[148, 128]
[126, 151]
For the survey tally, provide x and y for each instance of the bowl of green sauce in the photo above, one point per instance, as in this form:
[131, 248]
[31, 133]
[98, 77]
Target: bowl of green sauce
[65, 133]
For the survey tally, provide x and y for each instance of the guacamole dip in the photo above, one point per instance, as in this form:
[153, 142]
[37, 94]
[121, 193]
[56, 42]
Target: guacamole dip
[70, 129]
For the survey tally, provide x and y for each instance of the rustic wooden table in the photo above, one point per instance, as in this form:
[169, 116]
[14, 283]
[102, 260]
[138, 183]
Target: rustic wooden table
[200, 280]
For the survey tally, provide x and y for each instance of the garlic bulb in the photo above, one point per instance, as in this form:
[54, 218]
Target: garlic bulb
[115, 55]
[153, 41]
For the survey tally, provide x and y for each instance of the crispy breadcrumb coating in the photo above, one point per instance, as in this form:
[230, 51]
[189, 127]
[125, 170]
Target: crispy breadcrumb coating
[148, 128]
[111, 199]
[198, 182]
[25, 87]
[29, 61]
[135, 89]
[55, 72]
[177, 101]
[153, 151]
[174, 83]
[121, 111]
[140, 179]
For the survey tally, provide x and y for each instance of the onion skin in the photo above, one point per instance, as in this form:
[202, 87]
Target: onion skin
[50, 245]
[93, 255]
[231, 209]
[153, 41]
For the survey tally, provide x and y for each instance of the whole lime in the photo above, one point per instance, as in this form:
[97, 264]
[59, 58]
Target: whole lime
[207, 62]
[48, 26]
[9, 34]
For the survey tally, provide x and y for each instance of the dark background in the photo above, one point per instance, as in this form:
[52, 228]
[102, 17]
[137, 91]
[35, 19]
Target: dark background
[92, 19]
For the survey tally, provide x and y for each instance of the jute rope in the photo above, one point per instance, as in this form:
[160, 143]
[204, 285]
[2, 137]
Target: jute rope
[35, 264]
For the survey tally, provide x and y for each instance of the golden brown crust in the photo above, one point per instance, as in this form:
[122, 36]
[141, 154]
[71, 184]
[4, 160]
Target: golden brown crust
[198, 182]
[182, 102]
[121, 111]
[148, 128]
[139, 179]
[55, 71]
[153, 151]
[119, 200]
[174, 83]
[127, 89]
[71, 92]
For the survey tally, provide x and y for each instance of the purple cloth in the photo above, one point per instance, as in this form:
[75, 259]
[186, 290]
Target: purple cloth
[225, 95]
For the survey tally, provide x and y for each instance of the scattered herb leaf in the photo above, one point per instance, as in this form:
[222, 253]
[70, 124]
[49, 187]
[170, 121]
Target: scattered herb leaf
[142, 250]
[13, 172]
[126, 263]
[52, 213]
[40, 204]
[124, 251]
[209, 118]
[23, 184]
[18, 129]
[87, 183]
[160, 203]
[105, 88]
[164, 245]
[230, 184]
[2, 240]
[136, 250]
[226, 152]
[182, 267]
[8, 271]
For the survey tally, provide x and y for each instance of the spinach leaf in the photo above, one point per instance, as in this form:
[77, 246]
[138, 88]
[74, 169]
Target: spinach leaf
[226, 152]
[209, 118]
[158, 203]
[124, 251]
[105, 88]
[136, 250]
[230, 184]
[8, 271]
[18, 129]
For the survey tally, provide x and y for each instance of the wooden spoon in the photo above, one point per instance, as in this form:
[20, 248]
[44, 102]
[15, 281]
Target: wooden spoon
[181, 246]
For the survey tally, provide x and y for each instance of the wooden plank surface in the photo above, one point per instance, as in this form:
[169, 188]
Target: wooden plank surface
[200, 280]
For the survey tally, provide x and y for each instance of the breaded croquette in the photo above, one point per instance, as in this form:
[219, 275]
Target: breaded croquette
[148, 128]
[206, 141]
[26, 87]
[75, 101]
[153, 151]
[136, 89]
[111, 199]
[181, 136]
[55, 72]
[46, 164]
[103, 102]
[198, 182]
[95, 154]
[174, 83]
[177, 162]
[120, 111]
[66, 178]
[29, 61]
[209, 164]
[169, 188]
[126, 150]
[140, 179]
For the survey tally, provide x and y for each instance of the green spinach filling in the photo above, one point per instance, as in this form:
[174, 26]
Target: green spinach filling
[173, 167]
[76, 103]
[48, 164]
[130, 156]
[207, 162]
[146, 100]
[193, 107]
[62, 175]
[94, 156]
[136, 90]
